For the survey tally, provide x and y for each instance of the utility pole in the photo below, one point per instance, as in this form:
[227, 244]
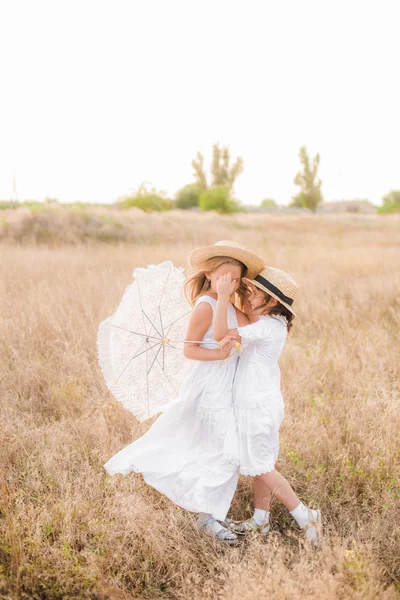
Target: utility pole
[14, 196]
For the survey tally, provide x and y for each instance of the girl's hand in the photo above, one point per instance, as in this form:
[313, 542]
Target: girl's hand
[249, 312]
[225, 346]
[225, 286]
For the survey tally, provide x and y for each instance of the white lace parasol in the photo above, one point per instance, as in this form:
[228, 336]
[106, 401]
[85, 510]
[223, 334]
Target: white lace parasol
[140, 346]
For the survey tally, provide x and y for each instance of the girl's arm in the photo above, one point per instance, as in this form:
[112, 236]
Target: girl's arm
[199, 322]
[225, 289]
[242, 317]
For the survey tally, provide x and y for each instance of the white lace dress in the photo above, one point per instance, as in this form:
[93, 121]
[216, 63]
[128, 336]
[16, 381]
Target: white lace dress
[190, 454]
[258, 401]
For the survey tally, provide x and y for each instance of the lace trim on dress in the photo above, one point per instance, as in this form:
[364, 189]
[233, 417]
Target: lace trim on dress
[260, 470]
[214, 410]
[247, 406]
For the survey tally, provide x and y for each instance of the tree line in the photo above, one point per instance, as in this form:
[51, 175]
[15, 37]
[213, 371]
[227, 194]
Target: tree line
[218, 193]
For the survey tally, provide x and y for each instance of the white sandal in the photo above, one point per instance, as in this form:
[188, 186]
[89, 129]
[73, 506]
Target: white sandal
[223, 535]
[312, 531]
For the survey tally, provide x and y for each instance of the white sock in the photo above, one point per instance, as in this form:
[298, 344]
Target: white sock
[261, 516]
[300, 515]
[214, 525]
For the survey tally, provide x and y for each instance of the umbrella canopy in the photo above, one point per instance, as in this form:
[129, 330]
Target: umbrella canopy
[140, 345]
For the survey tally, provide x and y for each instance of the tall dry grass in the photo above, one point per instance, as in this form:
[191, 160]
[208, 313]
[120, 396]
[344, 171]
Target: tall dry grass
[68, 530]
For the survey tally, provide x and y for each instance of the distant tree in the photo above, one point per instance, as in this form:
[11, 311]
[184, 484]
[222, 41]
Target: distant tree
[390, 203]
[188, 196]
[148, 199]
[268, 203]
[199, 174]
[222, 172]
[218, 198]
[310, 194]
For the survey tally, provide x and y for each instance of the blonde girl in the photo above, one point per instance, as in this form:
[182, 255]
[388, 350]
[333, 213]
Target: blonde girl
[258, 402]
[190, 454]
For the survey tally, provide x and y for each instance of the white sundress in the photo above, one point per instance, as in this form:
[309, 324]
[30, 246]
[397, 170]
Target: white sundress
[258, 401]
[190, 453]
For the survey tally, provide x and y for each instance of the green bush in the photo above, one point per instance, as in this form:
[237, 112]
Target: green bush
[147, 203]
[34, 205]
[268, 203]
[147, 198]
[218, 198]
[5, 204]
[188, 196]
[390, 203]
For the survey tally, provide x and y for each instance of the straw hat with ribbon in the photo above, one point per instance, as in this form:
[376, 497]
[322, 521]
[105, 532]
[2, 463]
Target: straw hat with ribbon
[199, 256]
[277, 284]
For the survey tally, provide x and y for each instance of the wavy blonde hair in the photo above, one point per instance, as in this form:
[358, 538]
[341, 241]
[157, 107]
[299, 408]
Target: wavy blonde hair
[197, 285]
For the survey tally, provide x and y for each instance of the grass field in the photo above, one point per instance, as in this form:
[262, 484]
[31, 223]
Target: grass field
[68, 530]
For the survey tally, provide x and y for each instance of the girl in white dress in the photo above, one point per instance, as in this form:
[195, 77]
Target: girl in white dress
[258, 402]
[190, 454]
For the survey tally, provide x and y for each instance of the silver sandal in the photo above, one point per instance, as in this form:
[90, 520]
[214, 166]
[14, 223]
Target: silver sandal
[224, 535]
[248, 526]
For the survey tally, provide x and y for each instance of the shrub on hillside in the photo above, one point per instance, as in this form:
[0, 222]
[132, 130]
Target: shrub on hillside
[6, 204]
[147, 203]
[268, 203]
[188, 196]
[33, 205]
[390, 203]
[147, 200]
[218, 199]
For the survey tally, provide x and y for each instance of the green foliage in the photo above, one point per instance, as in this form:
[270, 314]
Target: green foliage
[268, 203]
[188, 196]
[222, 172]
[218, 198]
[147, 200]
[390, 203]
[33, 205]
[5, 204]
[310, 194]
[148, 203]
[198, 168]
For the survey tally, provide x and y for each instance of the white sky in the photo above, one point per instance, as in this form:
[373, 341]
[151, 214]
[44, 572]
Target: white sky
[98, 96]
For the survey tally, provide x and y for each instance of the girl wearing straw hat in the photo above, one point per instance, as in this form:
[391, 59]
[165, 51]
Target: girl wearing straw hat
[191, 454]
[258, 402]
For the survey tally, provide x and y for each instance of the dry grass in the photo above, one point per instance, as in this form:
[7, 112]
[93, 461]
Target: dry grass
[67, 530]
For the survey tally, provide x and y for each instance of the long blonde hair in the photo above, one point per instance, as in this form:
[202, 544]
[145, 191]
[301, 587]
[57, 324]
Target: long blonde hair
[197, 285]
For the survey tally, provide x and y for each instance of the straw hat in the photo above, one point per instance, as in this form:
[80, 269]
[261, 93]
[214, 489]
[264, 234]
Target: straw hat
[277, 284]
[199, 256]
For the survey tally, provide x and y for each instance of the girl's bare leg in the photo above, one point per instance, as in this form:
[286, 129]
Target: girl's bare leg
[274, 484]
[259, 522]
[279, 487]
[262, 494]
